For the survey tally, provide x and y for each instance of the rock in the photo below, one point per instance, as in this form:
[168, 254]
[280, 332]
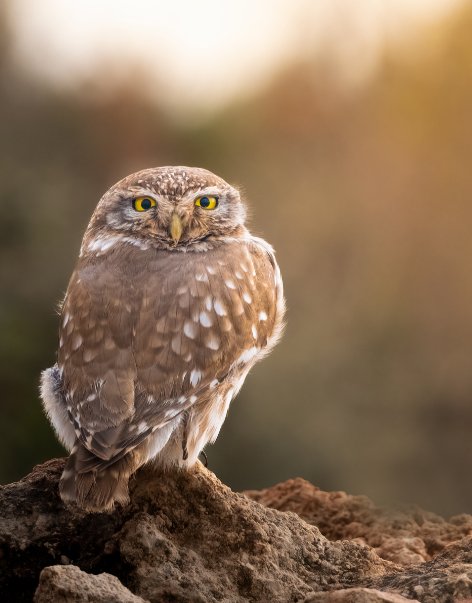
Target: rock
[185, 537]
[405, 537]
[356, 595]
[445, 579]
[68, 584]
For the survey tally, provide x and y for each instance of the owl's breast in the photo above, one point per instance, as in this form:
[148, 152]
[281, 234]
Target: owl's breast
[203, 315]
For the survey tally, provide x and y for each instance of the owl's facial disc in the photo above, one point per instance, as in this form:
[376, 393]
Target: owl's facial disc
[170, 208]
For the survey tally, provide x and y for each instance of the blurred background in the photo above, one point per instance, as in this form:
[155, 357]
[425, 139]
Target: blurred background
[349, 127]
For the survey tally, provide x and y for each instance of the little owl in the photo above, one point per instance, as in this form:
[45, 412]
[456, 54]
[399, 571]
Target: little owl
[171, 303]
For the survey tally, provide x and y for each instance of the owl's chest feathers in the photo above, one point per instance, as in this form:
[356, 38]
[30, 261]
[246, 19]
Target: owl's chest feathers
[185, 318]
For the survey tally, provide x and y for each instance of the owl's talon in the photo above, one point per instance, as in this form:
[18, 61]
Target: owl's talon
[205, 458]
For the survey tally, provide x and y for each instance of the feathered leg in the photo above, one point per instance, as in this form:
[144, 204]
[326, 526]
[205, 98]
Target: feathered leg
[95, 485]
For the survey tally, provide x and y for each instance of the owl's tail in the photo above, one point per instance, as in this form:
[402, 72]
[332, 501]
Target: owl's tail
[100, 488]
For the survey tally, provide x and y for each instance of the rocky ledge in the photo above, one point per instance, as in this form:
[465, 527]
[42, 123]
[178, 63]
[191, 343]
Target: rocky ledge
[186, 537]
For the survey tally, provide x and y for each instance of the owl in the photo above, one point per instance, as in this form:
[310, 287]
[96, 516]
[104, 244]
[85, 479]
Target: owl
[171, 303]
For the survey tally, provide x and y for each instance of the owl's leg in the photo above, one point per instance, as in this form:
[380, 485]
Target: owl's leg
[185, 429]
[55, 406]
[205, 458]
[185, 419]
[100, 488]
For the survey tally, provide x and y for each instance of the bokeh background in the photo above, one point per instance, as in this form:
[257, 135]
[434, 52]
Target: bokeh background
[349, 127]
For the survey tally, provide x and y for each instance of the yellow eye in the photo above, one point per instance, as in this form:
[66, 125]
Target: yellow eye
[143, 203]
[206, 202]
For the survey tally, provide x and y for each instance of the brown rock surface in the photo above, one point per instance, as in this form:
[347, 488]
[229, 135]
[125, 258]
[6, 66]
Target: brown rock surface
[405, 537]
[68, 584]
[356, 595]
[186, 537]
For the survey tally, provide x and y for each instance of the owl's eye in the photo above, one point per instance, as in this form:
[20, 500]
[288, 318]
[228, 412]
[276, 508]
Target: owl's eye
[143, 203]
[206, 202]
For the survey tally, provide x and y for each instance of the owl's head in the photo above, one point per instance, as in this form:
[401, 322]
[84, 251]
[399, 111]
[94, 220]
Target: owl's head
[173, 206]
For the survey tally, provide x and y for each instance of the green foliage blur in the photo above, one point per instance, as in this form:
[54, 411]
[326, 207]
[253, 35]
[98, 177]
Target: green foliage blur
[366, 196]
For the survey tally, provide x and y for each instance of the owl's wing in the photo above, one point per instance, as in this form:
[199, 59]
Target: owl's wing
[98, 322]
[144, 342]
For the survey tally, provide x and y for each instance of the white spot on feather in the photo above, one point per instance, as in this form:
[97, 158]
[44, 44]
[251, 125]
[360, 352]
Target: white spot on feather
[102, 244]
[214, 383]
[142, 427]
[76, 342]
[66, 319]
[247, 298]
[262, 316]
[238, 275]
[213, 343]
[143, 245]
[211, 270]
[176, 344]
[205, 319]
[219, 308]
[230, 284]
[248, 355]
[190, 329]
[202, 277]
[195, 377]
[89, 355]
[208, 302]
[254, 331]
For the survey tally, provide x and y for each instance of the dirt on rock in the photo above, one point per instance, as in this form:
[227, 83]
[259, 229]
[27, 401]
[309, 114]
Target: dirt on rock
[404, 536]
[186, 537]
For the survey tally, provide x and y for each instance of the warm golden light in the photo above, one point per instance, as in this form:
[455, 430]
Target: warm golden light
[197, 55]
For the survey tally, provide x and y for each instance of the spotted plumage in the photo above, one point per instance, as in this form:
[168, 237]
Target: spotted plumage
[171, 303]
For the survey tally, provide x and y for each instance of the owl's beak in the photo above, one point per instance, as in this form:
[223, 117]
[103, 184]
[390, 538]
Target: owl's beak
[176, 227]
